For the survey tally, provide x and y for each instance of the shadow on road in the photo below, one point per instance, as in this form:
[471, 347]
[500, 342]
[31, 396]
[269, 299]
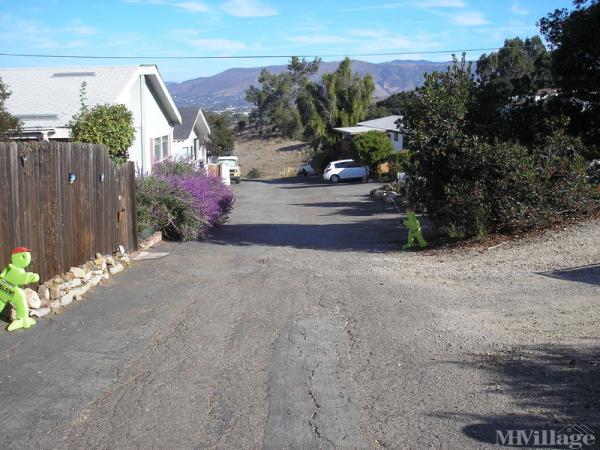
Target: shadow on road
[369, 236]
[556, 385]
[352, 209]
[300, 182]
[312, 180]
[583, 274]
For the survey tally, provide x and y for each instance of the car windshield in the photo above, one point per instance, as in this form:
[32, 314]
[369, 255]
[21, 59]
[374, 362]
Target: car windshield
[228, 162]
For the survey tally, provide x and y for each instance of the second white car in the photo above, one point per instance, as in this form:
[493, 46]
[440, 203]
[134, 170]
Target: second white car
[345, 169]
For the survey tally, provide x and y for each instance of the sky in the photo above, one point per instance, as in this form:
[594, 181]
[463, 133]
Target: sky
[357, 28]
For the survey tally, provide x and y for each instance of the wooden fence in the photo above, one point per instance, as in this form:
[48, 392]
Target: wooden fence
[65, 222]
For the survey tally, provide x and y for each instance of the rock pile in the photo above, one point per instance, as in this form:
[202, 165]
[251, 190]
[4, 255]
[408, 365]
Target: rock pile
[63, 289]
[387, 194]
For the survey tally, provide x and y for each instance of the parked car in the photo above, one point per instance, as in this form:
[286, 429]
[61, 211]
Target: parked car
[235, 172]
[345, 169]
[307, 169]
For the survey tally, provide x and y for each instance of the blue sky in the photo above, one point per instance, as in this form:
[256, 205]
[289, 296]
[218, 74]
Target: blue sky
[251, 27]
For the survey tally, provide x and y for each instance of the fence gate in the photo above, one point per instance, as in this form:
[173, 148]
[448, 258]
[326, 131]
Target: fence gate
[64, 201]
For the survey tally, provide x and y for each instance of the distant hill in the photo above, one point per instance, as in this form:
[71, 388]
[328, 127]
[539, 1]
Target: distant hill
[226, 89]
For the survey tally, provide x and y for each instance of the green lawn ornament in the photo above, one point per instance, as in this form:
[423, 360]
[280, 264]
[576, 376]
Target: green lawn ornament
[414, 230]
[11, 278]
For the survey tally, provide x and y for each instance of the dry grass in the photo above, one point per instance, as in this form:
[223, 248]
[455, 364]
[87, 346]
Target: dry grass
[274, 157]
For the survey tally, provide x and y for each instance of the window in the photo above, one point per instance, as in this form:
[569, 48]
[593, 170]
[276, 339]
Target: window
[228, 162]
[165, 146]
[396, 137]
[161, 148]
[157, 151]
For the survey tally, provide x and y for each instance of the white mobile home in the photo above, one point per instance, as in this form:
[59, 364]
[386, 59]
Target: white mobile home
[46, 99]
[191, 136]
[384, 124]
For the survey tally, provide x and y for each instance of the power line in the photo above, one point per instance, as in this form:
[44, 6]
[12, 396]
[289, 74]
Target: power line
[427, 52]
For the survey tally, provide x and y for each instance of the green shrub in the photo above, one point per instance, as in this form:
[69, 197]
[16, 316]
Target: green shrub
[372, 148]
[254, 173]
[164, 208]
[505, 187]
[181, 201]
[111, 125]
[470, 186]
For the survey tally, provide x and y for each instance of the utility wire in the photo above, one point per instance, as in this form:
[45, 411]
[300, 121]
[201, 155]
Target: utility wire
[428, 52]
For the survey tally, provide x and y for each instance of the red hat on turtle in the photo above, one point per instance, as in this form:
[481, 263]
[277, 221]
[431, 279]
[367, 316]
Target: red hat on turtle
[20, 250]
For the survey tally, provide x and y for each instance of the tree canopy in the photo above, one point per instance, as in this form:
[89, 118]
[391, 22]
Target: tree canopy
[110, 125]
[342, 98]
[395, 104]
[575, 44]
[222, 136]
[276, 98]
[508, 80]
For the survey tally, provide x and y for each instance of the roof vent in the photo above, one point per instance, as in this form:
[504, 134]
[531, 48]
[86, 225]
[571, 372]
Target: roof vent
[73, 74]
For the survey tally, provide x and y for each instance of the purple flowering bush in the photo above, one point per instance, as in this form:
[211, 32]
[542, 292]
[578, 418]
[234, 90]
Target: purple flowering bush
[181, 201]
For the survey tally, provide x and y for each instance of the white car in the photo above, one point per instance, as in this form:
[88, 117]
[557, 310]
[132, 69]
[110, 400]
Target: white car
[307, 169]
[345, 169]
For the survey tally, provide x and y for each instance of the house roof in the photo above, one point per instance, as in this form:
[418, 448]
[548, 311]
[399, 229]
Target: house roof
[191, 119]
[48, 97]
[384, 123]
[352, 130]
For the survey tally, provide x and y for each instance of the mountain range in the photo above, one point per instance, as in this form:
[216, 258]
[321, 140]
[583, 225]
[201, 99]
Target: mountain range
[225, 90]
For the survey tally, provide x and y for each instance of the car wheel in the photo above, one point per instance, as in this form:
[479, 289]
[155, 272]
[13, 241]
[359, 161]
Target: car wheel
[334, 179]
[238, 181]
[303, 173]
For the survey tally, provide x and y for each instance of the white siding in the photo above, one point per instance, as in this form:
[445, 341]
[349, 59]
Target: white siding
[191, 146]
[183, 149]
[150, 124]
[397, 140]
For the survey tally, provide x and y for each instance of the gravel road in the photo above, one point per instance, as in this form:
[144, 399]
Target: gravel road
[301, 324]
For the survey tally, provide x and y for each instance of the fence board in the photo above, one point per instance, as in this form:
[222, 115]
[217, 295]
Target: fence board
[64, 224]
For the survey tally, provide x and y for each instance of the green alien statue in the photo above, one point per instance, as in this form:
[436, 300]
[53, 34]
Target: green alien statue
[11, 278]
[414, 230]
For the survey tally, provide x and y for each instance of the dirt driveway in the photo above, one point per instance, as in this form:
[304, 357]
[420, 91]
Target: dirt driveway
[301, 324]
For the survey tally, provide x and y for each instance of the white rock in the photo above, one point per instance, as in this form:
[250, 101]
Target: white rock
[55, 293]
[95, 280]
[66, 299]
[122, 249]
[110, 261]
[40, 312]
[79, 292]
[44, 292]
[54, 304]
[116, 269]
[77, 272]
[71, 284]
[33, 299]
